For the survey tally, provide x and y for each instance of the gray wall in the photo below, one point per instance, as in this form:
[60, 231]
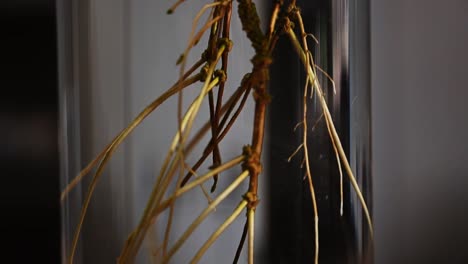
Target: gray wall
[419, 85]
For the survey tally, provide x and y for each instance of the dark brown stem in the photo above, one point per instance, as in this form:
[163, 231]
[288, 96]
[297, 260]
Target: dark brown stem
[214, 113]
[214, 125]
[227, 108]
[261, 61]
[224, 61]
[214, 132]
[224, 65]
[226, 35]
[241, 243]
[234, 117]
[209, 148]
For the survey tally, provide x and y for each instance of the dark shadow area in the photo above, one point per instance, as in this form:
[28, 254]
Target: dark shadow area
[29, 190]
[291, 227]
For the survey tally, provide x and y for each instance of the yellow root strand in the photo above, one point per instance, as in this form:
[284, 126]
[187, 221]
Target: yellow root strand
[204, 214]
[251, 223]
[334, 134]
[219, 231]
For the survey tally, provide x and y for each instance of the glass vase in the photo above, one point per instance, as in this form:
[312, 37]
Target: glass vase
[116, 56]
[341, 28]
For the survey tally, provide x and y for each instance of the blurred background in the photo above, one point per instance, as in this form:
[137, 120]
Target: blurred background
[29, 190]
[420, 157]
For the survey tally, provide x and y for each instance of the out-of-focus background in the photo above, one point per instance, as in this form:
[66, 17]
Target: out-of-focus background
[420, 156]
[29, 173]
[419, 81]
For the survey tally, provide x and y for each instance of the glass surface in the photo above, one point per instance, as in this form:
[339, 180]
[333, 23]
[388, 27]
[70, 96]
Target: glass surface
[116, 56]
[342, 30]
